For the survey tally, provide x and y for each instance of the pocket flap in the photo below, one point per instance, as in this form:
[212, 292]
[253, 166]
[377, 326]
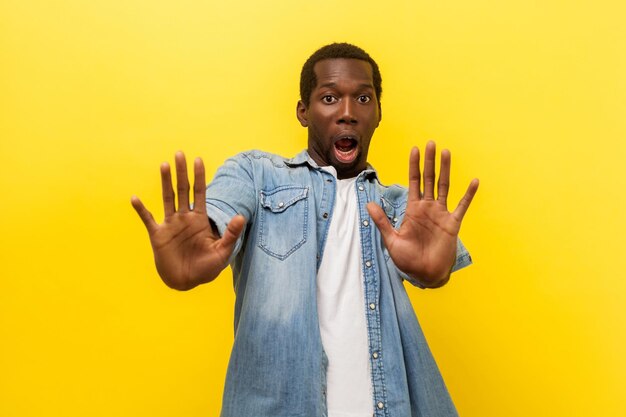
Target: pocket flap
[278, 199]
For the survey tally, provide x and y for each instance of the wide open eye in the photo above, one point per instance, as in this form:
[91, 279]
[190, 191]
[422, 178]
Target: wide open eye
[364, 99]
[328, 99]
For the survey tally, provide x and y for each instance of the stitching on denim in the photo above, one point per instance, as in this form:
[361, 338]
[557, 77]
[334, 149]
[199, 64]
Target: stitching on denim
[303, 199]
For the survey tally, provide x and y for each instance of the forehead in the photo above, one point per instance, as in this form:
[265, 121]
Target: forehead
[344, 71]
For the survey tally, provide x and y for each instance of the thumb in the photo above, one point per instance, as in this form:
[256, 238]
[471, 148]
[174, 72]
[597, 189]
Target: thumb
[381, 221]
[144, 214]
[233, 230]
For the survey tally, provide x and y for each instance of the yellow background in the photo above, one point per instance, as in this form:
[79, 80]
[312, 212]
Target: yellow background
[529, 96]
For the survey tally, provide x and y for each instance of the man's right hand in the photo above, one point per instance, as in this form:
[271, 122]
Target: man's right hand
[187, 251]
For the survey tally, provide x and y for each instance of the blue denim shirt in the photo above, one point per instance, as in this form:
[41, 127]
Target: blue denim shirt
[278, 366]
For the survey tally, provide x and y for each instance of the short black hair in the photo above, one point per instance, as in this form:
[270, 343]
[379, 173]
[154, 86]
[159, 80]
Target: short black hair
[308, 80]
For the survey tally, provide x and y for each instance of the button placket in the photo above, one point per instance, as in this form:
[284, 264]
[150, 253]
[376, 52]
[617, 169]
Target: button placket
[326, 203]
[371, 287]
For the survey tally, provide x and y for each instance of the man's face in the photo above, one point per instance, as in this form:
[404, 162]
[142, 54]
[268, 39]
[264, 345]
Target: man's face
[342, 115]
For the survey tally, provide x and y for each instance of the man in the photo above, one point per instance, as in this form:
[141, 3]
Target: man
[319, 249]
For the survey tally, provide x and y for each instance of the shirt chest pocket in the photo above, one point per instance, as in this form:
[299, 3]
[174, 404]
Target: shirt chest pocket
[283, 220]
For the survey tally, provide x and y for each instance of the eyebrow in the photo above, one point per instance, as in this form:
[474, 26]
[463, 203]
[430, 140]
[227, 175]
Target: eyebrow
[333, 85]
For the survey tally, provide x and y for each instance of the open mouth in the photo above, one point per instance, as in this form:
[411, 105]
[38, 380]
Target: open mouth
[346, 149]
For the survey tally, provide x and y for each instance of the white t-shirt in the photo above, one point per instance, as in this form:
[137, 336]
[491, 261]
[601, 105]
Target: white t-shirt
[341, 310]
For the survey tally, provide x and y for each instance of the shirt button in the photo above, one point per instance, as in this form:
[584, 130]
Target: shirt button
[380, 405]
[368, 264]
[329, 180]
[366, 223]
[361, 188]
[375, 355]
[325, 215]
[281, 204]
[372, 306]
[395, 220]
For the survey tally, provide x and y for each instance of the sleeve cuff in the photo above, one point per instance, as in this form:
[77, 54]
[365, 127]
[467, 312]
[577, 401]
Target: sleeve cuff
[221, 216]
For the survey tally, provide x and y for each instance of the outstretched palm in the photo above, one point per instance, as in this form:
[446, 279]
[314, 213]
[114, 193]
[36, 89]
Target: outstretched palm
[424, 246]
[187, 251]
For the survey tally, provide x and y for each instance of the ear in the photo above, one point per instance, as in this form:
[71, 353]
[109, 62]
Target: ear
[301, 114]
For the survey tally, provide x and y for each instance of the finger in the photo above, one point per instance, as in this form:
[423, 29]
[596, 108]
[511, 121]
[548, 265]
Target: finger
[199, 187]
[381, 221]
[169, 206]
[233, 230]
[182, 182]
[429, 171]
[465, 202]
[145, 216]
[443, 184]
[414, 174]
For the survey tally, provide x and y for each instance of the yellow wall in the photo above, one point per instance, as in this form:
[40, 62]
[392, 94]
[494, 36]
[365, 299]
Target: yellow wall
[529, 96]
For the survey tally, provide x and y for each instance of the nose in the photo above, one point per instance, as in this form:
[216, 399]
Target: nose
[346, 113]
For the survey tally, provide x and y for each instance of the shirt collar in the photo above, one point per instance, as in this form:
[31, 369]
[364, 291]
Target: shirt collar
[304, 158]
[301, 159]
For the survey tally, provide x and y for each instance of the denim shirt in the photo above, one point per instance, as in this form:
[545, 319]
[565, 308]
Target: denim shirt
[278, 366]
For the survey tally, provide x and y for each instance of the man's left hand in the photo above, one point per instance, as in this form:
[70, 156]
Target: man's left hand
[424, 247]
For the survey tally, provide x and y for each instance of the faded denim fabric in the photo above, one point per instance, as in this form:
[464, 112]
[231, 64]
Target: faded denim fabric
[277, 366]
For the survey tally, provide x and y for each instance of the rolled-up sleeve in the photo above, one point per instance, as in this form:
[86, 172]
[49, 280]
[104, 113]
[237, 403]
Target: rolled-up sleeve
[232, 192]
[463, 257]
